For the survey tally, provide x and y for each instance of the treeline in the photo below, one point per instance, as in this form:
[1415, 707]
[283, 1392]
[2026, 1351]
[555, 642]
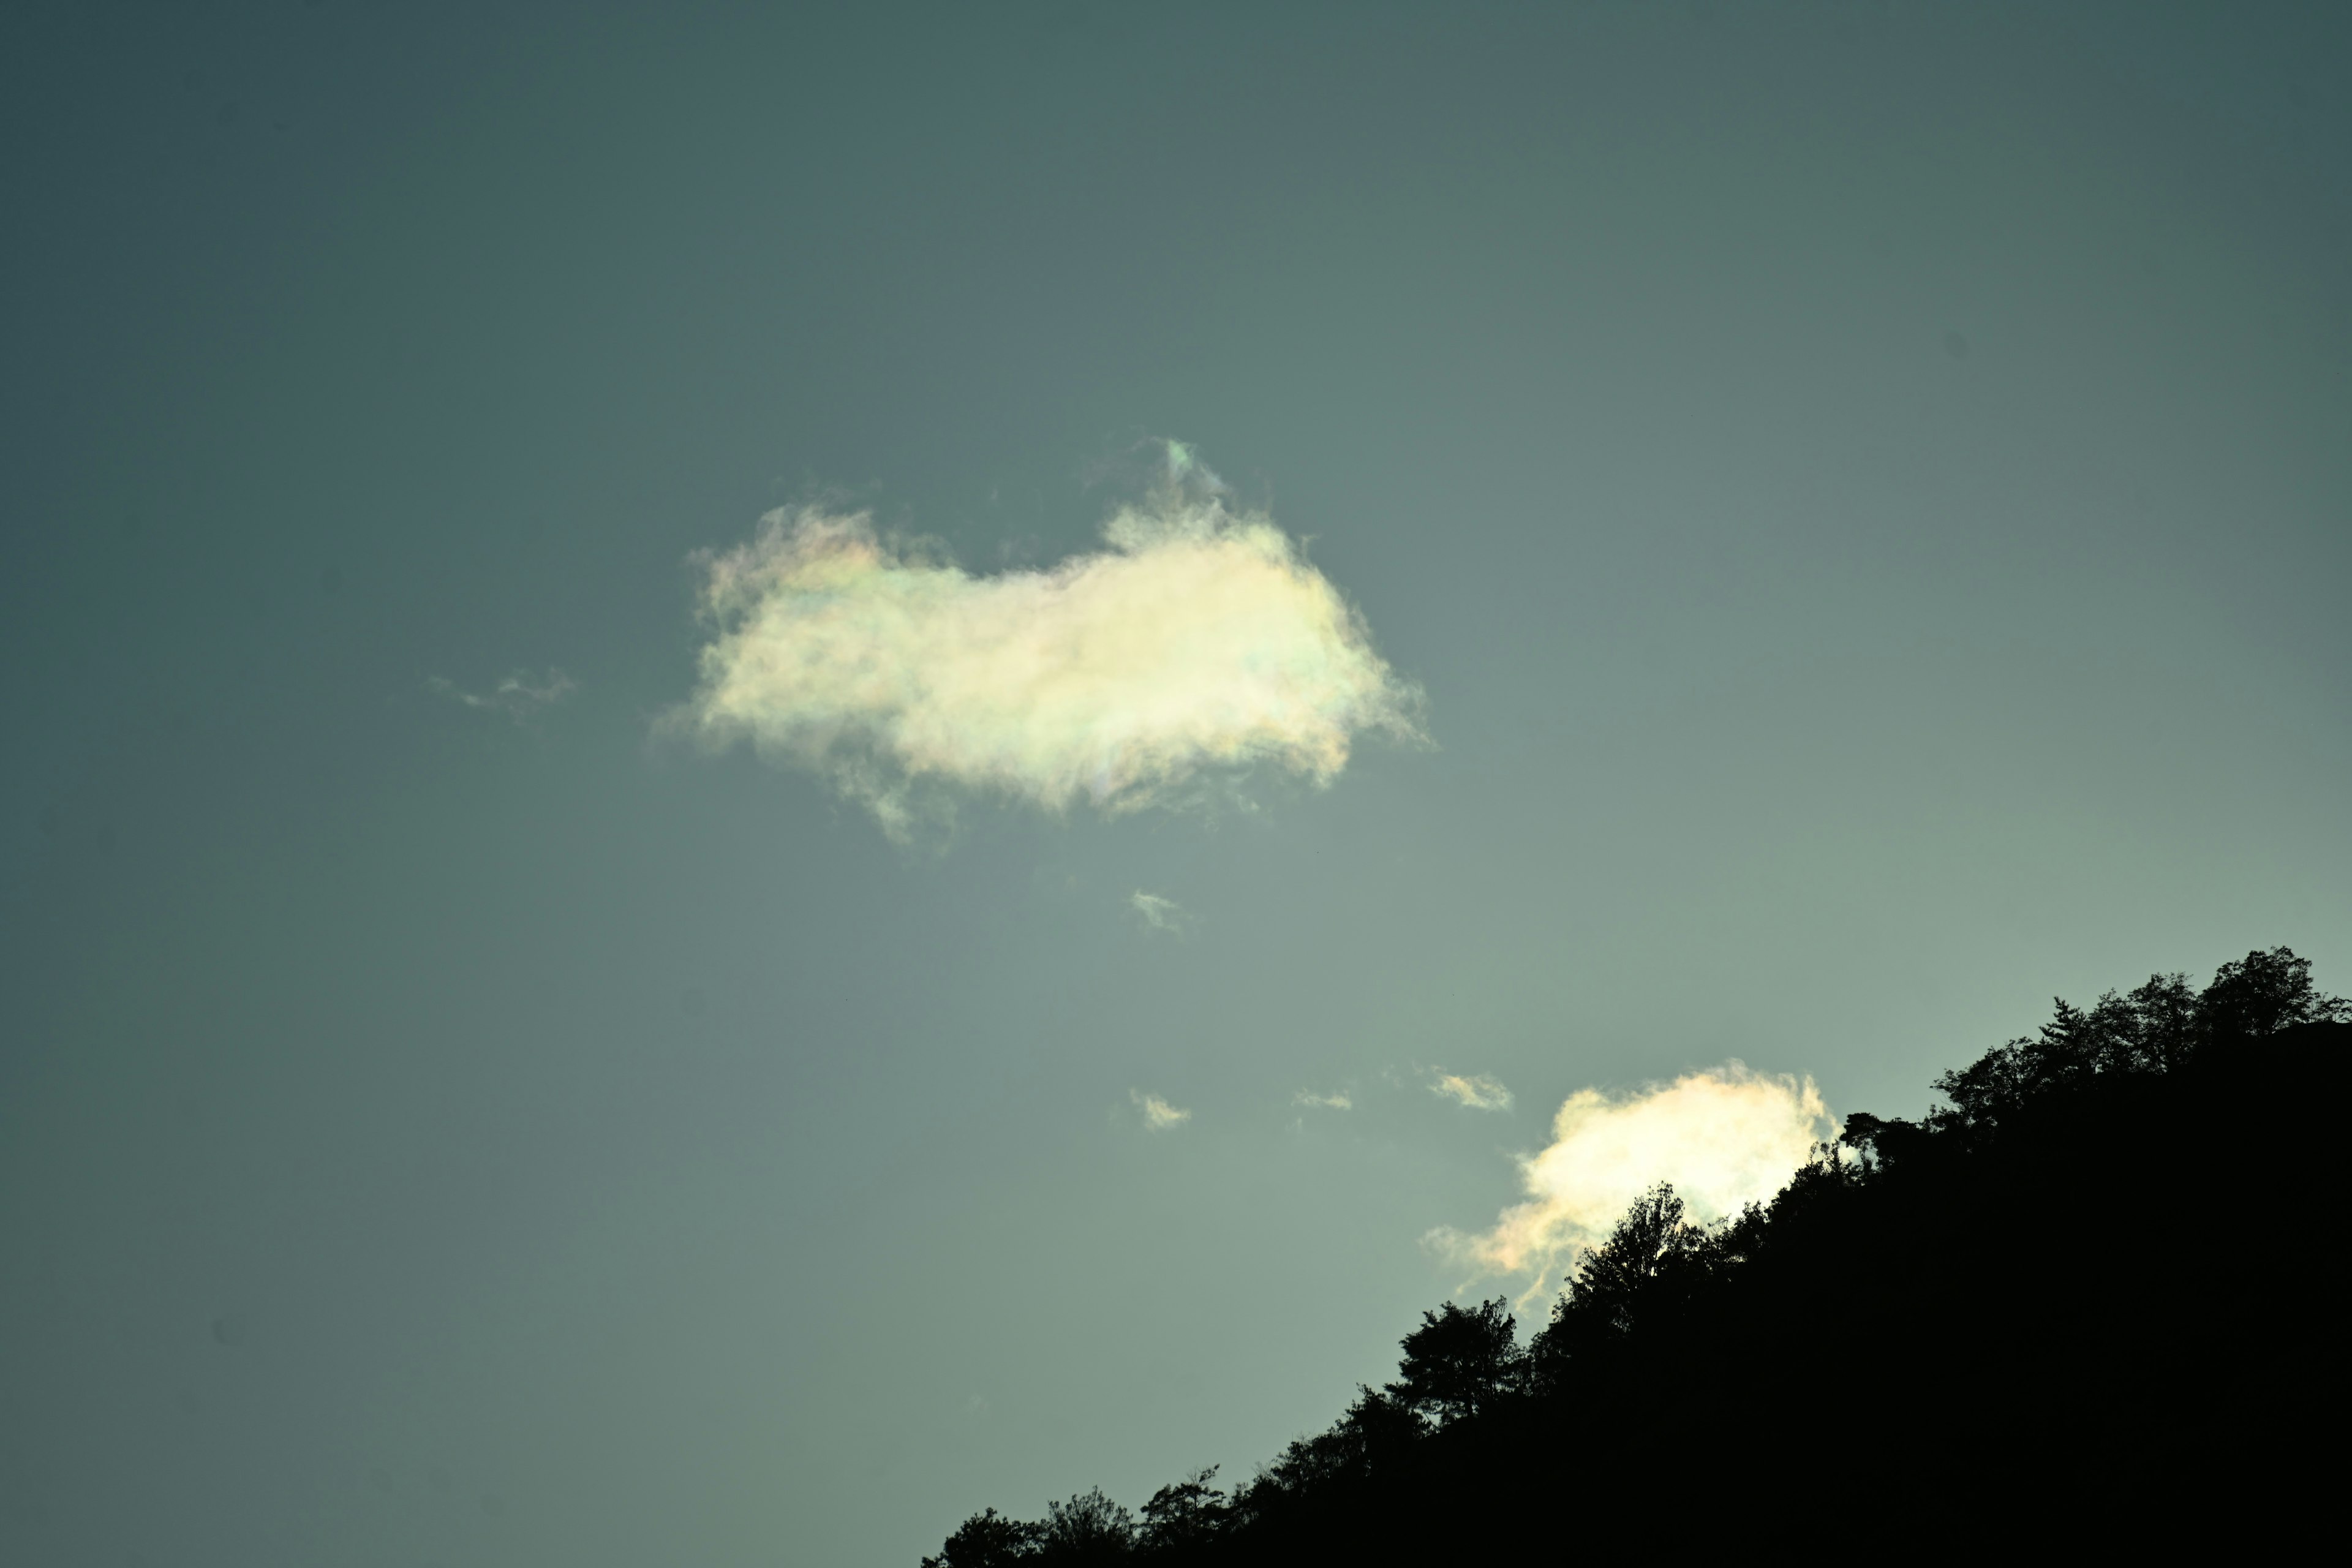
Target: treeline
[2094, 1289]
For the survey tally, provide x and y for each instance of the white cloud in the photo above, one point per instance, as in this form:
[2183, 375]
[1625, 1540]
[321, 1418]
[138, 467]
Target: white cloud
[518, 695]
[1158, 1114]
[1340, 1101]
[1724, 1138]
[1159, 914]
[1479, 1091]
[1198, 645]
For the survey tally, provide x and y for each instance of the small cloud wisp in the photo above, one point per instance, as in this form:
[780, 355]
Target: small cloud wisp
[1159, 914]
[1158, 1114]
[1475, 1092]
[519, 696]
[1725, 1137]
[1198, 644]
[1339, 1101]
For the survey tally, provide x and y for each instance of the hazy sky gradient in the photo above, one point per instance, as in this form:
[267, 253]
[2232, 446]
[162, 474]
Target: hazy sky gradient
[1863, 488]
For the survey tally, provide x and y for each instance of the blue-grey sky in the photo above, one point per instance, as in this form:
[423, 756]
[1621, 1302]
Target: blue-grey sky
[1844, 519]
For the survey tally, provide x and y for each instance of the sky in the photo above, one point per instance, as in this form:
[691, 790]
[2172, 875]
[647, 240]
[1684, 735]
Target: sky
[778, 770]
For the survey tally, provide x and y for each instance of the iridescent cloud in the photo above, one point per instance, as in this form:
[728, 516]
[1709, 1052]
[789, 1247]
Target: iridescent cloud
[1199, 644]
[1724, 1138]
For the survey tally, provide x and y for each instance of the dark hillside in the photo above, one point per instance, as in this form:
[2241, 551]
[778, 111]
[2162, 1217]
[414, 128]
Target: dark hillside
[2094, 1292]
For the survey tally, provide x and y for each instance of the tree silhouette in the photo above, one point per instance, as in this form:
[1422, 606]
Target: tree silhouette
[988, 1540]
[1459, 1362]
[1087, 1529]
[1183, 1514]
[1372, 1432]
[2156, 1028]
[2263, 992]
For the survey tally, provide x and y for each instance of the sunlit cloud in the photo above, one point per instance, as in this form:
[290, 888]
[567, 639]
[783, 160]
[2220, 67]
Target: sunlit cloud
[1340, 1101]
[1158, 1114]
[1159, 914]
[1724, 1138]
[519, 696]
[1199, 644]
[1478, 1092]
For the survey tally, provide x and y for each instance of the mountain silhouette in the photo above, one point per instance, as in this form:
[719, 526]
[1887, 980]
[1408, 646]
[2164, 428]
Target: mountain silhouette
[2085, 1301]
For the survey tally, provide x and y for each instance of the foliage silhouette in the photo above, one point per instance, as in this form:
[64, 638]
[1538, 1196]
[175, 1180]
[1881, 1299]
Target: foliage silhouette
[988, 1540]
[1089, 1529]
[2077, 1297]
[1459, 1362]
[1184, 1514]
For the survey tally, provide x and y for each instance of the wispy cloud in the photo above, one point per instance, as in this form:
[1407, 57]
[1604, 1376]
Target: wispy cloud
[519, 696]
[1158, 1114]
[1725, 1137]
[1159, 914]
[1199, 644]
[1340, 1101]
[1479, 1091]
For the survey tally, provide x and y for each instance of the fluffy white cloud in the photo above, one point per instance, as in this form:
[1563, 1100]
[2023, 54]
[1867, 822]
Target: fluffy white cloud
[1724, 1138]
[1479, 1091]
[1198, 645]
[518, 695]
[1158, 1114]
